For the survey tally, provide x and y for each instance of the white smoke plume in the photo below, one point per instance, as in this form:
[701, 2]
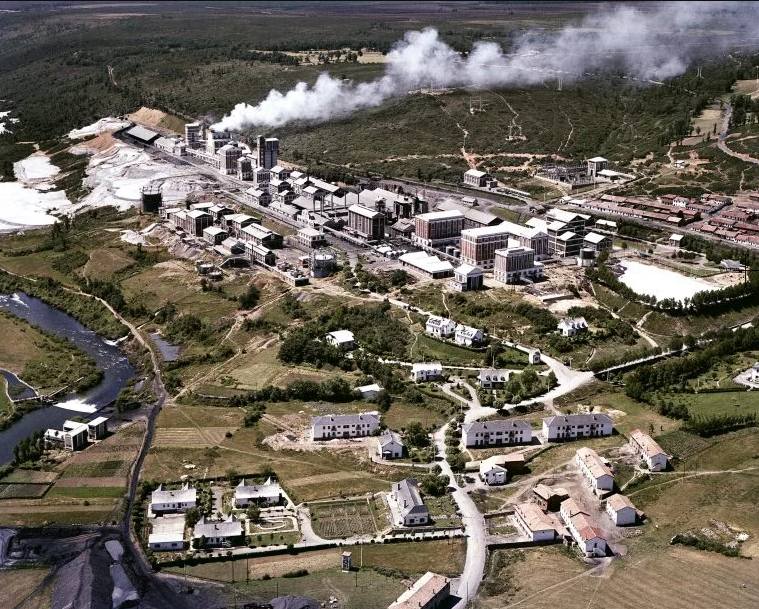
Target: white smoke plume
[647, 44]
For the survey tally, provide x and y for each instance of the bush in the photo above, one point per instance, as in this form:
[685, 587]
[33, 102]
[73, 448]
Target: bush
[297, 573]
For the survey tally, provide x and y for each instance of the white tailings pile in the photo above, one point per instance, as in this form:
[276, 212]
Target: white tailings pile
[117, 175]
[662, 283]
[104, 124]
[23, 207]
[35, 167]
[133, 237]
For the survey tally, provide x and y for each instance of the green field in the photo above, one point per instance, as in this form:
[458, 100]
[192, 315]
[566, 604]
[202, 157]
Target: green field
[739, 402]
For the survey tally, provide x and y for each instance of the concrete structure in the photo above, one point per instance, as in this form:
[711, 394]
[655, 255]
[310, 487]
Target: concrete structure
[567, 244]
[534, 357]
[574, 426]
[532, 237]
[193, 222]
[496, 433]
[215, 235]
[534, 523]
[438, 228]
[368, 223]
[344, 426]
[478, 245]
[262, 236]
[597, 242]
[236, 222]
[165, 542]
[342, 339]
[428, 592]
[596, 472]
[549, 498]
[467, 278]
[585, 531]
[648, 450]
[621, 510]
[440, 327]
[193, 134]
[260, 254]
[390, 445]
[267, 151]
[180, 500]
[467, 336]
[427, 371]
[515, 263]
[410, 509]
[476, 178]
[72, 437]
[492, 378]
[493, 474]
[257, 197]
[230, 154]
[675, 240]
[430, 266]
[596, 165]
[569, 326]
[268, 493]
[97, 429]
[311, 238]
[474, 218]
[226, 533]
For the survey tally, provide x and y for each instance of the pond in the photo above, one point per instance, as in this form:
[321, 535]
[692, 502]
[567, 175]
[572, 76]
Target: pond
[662, 283]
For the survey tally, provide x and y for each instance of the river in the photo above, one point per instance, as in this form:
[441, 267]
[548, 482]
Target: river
[115, 366]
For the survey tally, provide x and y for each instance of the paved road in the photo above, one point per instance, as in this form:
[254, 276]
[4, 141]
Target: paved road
[474, 529]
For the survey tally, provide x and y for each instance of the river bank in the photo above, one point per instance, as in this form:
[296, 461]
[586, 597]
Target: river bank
[116, 368]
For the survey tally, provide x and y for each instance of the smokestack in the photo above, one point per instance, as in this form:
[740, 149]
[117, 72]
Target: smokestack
[645, 45]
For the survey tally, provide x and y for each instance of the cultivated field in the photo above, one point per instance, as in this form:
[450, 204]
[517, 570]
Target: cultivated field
[551, 578]
[103, 263]
[338, 520]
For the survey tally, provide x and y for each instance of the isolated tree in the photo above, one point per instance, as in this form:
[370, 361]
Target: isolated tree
[253, 513]
[416, 435]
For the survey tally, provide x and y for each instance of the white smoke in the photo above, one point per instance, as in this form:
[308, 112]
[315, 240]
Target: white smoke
[644, 44]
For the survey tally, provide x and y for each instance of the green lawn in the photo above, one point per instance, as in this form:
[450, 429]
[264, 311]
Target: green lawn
[427, 348]
[741, 402]
[87, 492]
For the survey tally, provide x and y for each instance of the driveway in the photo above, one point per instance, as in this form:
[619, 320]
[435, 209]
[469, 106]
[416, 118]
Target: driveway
[474, 529]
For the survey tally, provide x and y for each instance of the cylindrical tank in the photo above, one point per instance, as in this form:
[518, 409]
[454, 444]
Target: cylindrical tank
[322, 264]
[151, 200]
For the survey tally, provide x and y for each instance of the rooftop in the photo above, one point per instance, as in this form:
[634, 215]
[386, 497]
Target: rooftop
[231, 527]
[485, 231]
[646, 442]
[346, 419]
[618, 502]
[364, 211]
[594, 238]
[533, 517]
[342, 336]
[448, 214]
[421, 593]
[593, 462]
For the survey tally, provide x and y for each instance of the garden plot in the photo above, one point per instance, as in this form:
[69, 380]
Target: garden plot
[343, 519]
[191, 437]
[22, 491]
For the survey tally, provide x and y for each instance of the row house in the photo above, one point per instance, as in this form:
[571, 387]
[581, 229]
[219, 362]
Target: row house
[573, 426]
[494, 433]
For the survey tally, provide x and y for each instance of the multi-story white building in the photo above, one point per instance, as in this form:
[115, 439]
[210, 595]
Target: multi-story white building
[476, 178]
[596, 472]
[648, 450]
[426, 371]
[440, 327]
[490, 433]
[621, 510]
[573, 426]
[344, 425]
[583, 528]
[534, 523]
[467, 336]
[218, 533]
[515, 263]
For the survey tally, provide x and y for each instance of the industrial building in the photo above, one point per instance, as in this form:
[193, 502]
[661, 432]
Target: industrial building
[515, 263]
[438, 228]
[368, 223]
[429, 266]
[477, 178]
[467, 278]
[478, 245]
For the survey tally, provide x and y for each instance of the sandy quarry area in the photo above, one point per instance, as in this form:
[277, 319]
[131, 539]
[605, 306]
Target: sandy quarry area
[147, 116]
